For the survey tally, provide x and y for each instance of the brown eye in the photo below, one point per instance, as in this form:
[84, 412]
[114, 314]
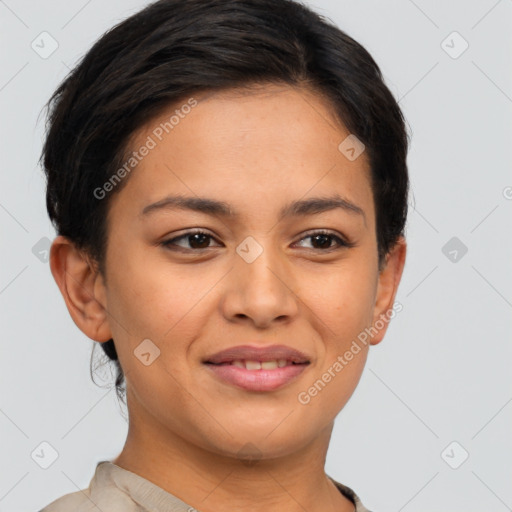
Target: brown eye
[322, 240]
[195, 240]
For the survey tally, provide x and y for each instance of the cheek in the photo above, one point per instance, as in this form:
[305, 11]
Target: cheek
[154, 301]
[158, 304]
[333, 380]
[343, 299]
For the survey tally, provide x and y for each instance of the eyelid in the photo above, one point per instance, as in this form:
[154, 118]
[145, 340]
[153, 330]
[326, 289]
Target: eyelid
[343, 241]
[185, 234]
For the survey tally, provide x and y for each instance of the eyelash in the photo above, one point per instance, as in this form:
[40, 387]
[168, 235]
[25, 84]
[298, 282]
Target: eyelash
[340, 241]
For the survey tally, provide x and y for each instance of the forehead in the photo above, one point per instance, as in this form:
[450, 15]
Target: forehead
[245, 145]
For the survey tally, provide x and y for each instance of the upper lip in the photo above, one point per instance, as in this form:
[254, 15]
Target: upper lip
[253, 353]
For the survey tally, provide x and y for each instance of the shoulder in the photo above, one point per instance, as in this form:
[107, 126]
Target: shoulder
[351, 495]
[76, 501]
[102, 495]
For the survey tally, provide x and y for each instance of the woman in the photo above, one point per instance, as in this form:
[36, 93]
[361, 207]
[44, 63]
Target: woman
[228, 182]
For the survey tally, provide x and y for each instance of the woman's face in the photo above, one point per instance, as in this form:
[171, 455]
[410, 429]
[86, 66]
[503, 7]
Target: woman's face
[255, 278]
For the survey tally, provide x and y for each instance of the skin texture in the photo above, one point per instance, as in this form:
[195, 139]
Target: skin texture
[257, 151]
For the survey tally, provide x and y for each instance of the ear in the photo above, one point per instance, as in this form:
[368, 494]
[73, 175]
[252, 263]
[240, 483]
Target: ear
[82, 287]
[387, 286]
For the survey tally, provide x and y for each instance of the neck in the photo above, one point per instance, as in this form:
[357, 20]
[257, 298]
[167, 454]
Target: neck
[209, 481]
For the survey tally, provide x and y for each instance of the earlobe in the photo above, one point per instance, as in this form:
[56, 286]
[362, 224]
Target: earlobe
[81, 287]
[388, 281]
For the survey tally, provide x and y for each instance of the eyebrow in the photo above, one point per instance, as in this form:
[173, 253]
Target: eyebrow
[213, 207]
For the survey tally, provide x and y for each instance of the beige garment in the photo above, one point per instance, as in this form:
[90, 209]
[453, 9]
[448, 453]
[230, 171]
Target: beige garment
[115, 489]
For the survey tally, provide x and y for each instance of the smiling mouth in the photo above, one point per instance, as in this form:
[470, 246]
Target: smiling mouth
[257, 376]
[254, 365]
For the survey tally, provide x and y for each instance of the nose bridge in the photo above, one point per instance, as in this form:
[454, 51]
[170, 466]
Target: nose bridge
[260, 263]
[261, 281]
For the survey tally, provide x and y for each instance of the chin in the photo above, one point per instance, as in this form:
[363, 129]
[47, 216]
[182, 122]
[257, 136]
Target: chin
[264, 443]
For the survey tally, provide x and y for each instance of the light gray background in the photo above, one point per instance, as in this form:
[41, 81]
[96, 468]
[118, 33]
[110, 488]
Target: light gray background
[442, 373]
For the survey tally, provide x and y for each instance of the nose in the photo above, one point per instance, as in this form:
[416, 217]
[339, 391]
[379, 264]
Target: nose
[260, 291]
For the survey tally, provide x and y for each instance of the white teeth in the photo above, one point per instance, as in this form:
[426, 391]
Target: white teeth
[263, 365]
[253, 365]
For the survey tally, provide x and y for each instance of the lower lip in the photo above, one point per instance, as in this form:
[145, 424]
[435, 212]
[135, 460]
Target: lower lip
[257, 380]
